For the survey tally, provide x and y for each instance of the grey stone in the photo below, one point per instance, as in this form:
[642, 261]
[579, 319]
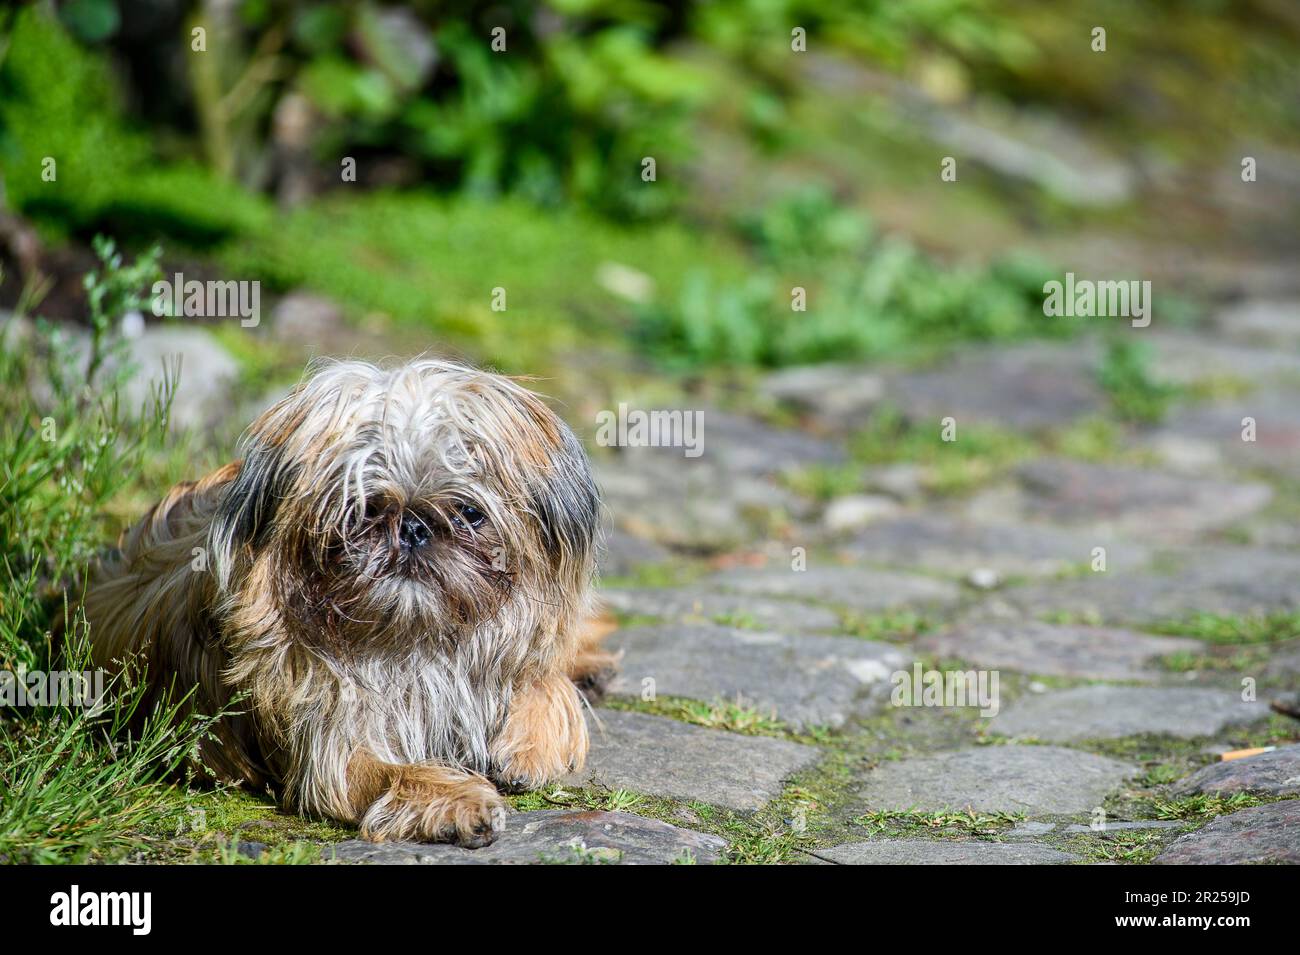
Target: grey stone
[303, 318]
[622, 553]
[1026, 386]
[951, 545]
[1260, 834]
[1186, 358]
[834, 396]
[1031, 646]
[1036, 780]
[942, 852]
[1274, 774]
[552, 836]
[1266, 322]
[1114, 499]
[856, 510]
[207, 371]
[691, 503]
[250, 849]
[854, 587]
[805, 679]
[662, 757]
[903, 481]
[1211, 433]
[697, 604]
[1042, 149]
[735, 444]
[1030, 829]
[1125, 826]
[1225, 581]
[1107, 712]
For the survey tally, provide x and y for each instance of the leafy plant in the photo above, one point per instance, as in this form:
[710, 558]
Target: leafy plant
[66, 449]
[1126, 377]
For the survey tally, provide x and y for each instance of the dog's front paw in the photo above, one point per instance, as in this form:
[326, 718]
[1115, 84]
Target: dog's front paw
[435, 804]
[544, 737]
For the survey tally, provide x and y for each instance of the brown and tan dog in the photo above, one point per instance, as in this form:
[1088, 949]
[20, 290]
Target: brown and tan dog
[397, 577]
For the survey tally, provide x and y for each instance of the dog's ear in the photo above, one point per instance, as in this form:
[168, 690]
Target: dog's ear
[248, 507]
[567, 503]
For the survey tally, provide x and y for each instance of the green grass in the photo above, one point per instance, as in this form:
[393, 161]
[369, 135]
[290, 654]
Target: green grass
[1134, 392]
[895, 626]
[1127, 846]
[901, 822]
[1240, 643]
[74, 788]
[720, 714]
[1204, 805]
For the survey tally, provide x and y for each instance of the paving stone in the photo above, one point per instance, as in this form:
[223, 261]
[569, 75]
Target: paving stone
[1264, 322]
[1108, 712]
[946, 852]
[805, 679]
[737, 444]
[1125, 826]
[1212, 580]
[1274, 774]
[833, 396]
[1026, 386]
[691, 503]
[699, 605]
[1284, 661]
[1210, 433]
[622, 553]
[552, 836]
[1186, 358]
[1029, 830]
[662, 757]
[853, 587]
[949, 544]
[1113, 499]
[858, 510]
[1260, 834]
[1036, 780]
[1031, 646]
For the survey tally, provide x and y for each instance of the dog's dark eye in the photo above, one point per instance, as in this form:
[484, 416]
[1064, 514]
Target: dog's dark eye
[469, 514]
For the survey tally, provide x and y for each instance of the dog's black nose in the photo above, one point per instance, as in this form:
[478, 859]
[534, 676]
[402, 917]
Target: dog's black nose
[414, 532]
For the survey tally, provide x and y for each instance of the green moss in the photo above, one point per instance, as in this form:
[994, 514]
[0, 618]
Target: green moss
[1131, 846]
[1233, 629]
[894, 626]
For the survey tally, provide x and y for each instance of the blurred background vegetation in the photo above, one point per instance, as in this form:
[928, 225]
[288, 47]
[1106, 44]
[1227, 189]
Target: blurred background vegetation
[522, 168]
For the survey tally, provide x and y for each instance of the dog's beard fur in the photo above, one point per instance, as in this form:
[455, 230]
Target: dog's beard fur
[397, 585]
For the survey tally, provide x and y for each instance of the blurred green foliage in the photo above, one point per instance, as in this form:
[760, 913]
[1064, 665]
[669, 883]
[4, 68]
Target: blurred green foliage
[536, 151]
[866, 296]
[58, 101]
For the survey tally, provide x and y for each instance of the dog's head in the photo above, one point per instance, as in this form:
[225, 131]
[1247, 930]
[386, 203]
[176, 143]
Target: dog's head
[385, 505]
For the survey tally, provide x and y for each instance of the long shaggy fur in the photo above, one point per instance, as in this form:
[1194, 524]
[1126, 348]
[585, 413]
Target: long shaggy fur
[396, 580]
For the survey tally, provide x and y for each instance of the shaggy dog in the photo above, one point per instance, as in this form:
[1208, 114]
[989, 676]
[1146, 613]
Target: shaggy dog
[390, 593]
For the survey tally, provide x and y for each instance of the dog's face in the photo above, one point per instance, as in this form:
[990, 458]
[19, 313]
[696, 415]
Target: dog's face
[381, 506]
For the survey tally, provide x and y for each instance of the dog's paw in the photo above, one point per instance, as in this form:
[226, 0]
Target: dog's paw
[432, 804]
[544, 737]
[537, 764]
